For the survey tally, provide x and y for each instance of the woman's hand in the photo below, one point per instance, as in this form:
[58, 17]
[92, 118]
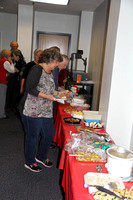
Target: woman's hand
[50, 97]
[63, 93]
[60, 93]
[65, 80]
[16, 70]
[9, 59]
[61, 88]
[56, 93]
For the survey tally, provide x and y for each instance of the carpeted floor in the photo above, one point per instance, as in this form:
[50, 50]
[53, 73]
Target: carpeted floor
[17, 182]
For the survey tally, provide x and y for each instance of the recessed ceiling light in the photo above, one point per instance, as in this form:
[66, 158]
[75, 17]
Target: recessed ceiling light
[60, 2]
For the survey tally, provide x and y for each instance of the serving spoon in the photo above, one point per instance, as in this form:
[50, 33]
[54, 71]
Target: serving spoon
[103, 189]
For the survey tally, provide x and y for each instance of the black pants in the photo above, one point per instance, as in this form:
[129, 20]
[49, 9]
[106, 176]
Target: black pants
[13, 95]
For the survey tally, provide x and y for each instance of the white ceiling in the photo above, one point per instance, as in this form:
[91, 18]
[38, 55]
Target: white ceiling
[74, 7]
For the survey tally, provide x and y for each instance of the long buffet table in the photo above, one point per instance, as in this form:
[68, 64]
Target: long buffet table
[73, 170]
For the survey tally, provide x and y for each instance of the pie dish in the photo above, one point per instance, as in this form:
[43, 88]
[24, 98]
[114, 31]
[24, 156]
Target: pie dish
[72, 120]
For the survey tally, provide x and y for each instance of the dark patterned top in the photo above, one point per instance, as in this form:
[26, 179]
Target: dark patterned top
[38, 81]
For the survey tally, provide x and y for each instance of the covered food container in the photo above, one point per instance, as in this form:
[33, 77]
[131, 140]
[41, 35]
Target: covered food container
[119, 161]
[91, 116]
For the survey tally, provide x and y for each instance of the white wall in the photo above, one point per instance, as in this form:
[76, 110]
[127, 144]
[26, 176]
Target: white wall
[131, 141]
[8, 28]
[116, 101]
[25, 28]
[45, 22]
[57, 23]
[98, 41]
[85, 37]
[109, 59]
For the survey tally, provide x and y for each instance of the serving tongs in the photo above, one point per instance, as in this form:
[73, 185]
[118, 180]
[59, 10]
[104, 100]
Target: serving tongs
[103, 189]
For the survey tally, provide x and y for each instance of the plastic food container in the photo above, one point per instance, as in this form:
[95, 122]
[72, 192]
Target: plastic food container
[102, 179]
[91, 116]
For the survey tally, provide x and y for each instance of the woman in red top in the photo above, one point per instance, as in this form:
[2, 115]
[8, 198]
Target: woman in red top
[6, 66]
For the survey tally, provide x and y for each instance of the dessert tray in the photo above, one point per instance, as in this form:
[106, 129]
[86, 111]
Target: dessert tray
[94, 125]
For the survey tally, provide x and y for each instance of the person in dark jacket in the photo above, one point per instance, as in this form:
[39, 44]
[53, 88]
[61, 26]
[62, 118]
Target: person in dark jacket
[27, 68]
[11, 81]
[20, 64]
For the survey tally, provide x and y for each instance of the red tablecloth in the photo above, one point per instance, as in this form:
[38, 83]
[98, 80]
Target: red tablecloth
[73, 174]
[73, 178]
[62, 130]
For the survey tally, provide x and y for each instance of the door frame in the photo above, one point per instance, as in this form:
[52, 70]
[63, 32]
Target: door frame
[55, 33]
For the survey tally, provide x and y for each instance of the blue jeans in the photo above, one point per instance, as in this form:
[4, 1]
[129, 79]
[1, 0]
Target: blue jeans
[35, 128]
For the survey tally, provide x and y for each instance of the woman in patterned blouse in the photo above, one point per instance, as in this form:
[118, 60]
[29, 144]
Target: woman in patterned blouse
[36, 109]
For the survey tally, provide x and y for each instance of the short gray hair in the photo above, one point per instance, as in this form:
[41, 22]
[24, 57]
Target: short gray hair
[36, 51]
